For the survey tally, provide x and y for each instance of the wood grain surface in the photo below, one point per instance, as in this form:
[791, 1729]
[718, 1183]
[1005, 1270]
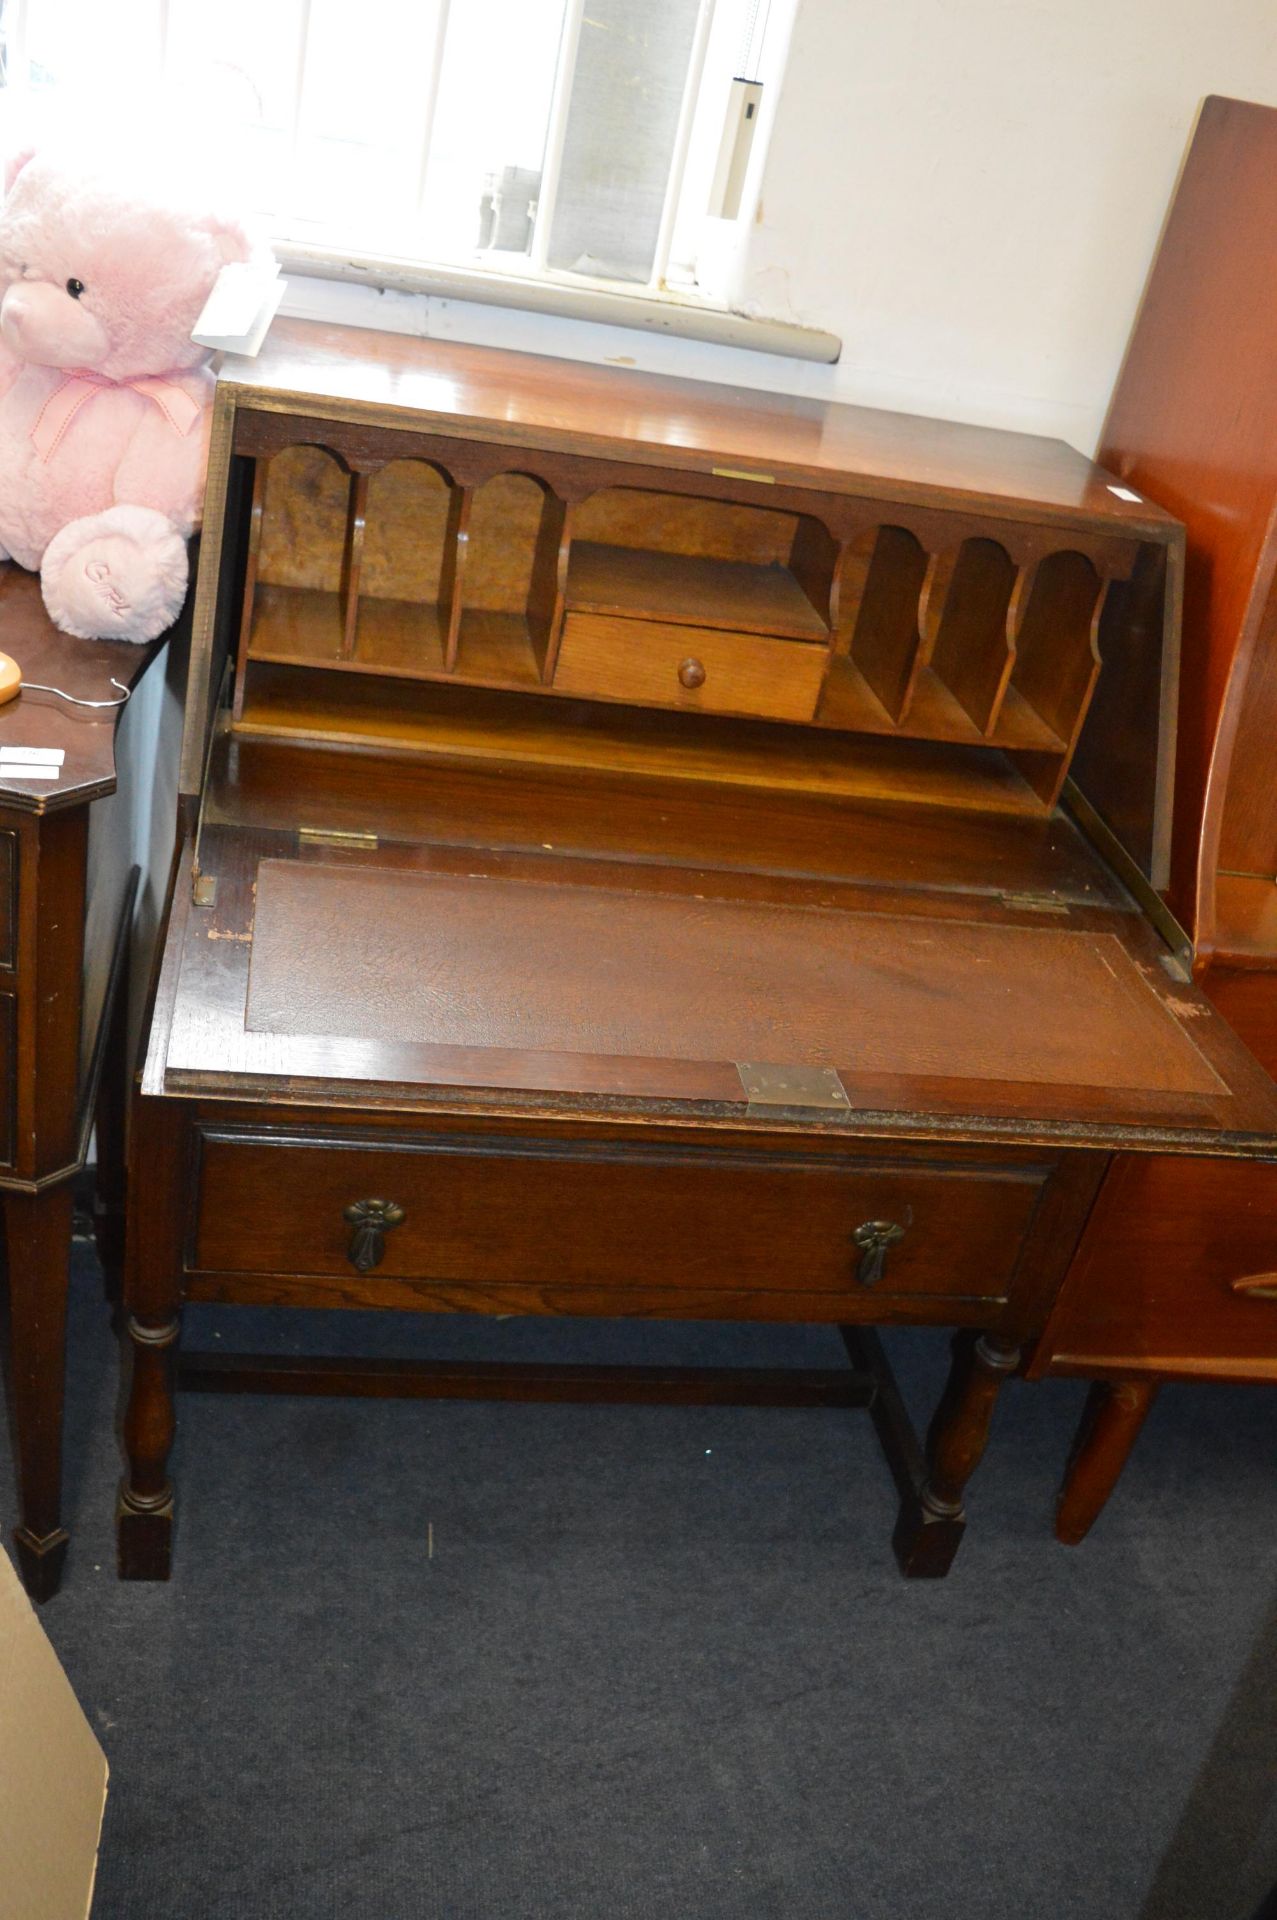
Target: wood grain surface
[1176, 1276]
[693, 669]
[82, 667]
[551, 403]
[491, 1215]
[366, 954]
[1193, 423]
[750, 835]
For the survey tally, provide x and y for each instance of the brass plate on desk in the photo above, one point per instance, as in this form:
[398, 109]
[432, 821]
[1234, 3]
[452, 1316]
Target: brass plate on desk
[813, 1088]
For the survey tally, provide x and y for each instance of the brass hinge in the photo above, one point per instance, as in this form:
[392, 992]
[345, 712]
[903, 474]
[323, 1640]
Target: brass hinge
[336, 837]
[769, 1085]
[204, 889]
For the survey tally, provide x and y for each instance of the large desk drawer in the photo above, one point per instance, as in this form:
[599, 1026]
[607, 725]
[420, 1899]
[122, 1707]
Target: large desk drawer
[1176, 1274]
[519, 1225]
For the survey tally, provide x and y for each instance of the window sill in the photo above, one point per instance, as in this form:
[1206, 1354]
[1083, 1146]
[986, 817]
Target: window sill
[671, 313]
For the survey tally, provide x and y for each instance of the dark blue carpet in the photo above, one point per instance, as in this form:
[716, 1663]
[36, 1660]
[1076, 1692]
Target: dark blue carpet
[493, 1662]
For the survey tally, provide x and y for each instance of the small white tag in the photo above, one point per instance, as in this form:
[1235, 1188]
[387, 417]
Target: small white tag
[33, 756]
[239, 310]
[1124, 493]
[24, 770]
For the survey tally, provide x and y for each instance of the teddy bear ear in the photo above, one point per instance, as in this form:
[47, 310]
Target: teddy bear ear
[14, 165]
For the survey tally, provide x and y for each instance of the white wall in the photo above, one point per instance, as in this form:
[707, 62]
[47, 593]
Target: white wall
[969, 192]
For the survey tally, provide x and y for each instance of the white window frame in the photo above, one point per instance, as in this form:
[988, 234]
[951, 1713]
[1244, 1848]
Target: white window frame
[534, 287]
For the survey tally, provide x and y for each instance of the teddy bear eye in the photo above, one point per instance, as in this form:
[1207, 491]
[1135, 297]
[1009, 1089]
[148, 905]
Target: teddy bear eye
[75, 288]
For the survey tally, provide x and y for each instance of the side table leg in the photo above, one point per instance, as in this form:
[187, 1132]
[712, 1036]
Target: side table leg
[1114, 1413]
[38, 1229]
[932, 1521]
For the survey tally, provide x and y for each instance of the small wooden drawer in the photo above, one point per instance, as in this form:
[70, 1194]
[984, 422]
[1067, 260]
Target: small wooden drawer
[8, 899]
[1176, 1274]
[544, 1226]
[702, 669]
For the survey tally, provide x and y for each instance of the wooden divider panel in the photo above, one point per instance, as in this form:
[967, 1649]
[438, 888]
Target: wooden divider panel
[300, 544]
[886, 638]
[494, 642]
[973, 654]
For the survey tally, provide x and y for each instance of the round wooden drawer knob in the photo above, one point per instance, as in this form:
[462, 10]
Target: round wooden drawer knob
[691, 674]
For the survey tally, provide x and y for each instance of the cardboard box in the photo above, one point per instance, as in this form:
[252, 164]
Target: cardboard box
[52, 1774]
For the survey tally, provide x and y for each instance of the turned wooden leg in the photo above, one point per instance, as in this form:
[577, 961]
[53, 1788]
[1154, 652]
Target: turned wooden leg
[38, 1230]
[1114, 1413]
[152, 1299]
[932, 1521]
[144, 1517]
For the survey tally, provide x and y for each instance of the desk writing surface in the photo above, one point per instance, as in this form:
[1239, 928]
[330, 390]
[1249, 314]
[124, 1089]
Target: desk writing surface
[355, 952]
[426, 971]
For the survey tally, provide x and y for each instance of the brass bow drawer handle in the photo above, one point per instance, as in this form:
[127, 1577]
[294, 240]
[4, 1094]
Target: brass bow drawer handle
[873, 1237]
[372, 1221]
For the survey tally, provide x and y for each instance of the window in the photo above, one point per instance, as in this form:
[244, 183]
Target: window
[578, 140]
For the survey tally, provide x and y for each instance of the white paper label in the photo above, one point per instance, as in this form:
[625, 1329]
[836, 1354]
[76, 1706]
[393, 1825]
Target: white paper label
[239, 310]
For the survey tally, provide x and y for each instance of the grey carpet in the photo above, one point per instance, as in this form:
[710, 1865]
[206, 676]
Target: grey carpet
[494, 1662]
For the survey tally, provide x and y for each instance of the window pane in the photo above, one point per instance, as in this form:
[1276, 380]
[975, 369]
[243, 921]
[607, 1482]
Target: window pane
[727, 55]
[494, 106]
[318, 113]
[243, 76]
[89, 46]
[631, 69]
[365, 101]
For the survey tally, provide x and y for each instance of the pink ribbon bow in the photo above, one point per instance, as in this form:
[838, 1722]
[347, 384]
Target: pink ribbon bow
[81, 386]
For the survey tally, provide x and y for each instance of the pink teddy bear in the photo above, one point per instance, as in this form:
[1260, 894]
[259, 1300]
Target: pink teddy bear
[105, 401]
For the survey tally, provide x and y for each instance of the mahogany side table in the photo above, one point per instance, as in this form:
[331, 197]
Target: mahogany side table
[72, 851]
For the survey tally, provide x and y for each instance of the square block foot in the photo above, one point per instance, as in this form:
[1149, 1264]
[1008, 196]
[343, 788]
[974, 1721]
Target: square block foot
[40, 1560]
[925, 1542]
[144, 1541]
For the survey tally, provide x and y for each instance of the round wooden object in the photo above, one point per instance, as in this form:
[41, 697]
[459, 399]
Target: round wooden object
[10, 678]
[692, 673]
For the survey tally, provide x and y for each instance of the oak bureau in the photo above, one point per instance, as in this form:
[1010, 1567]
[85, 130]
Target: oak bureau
[625, 872]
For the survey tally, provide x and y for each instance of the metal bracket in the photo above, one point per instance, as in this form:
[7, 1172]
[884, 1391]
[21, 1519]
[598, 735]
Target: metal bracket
[768, 1085]
[336, 837]
[1034, 903]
